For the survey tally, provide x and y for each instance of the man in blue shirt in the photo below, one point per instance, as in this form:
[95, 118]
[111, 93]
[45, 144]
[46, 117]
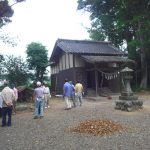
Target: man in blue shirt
[67, 92]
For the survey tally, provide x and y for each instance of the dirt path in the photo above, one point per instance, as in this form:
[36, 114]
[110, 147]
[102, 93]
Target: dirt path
[51, 132]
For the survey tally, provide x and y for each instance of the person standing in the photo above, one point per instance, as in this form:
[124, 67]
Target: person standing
[73, 93]
[8, 97]
[1, 101]
[16, 98]
[1, 105]
[67, 94]
[78, 93]
[47, 95]
[39, 101]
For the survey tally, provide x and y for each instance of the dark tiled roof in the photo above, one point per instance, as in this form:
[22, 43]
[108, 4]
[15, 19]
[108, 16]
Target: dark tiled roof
[85, 47]
[88, 47]
[96, 59]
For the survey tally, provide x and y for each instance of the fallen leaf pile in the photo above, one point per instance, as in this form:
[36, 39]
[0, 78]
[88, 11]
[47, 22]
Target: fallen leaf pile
[97, 127]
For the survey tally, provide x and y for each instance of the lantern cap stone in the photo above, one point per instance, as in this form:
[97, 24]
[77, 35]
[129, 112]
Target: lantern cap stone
[126, 69]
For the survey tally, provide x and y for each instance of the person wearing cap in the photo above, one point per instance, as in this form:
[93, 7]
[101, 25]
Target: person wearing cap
[67, 92]
[39, 101]
[8, 97]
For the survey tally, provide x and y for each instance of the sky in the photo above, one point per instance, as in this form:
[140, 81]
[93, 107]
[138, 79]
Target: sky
[45, 21]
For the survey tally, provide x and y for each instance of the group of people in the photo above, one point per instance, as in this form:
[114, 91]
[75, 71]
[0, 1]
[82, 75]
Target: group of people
[9, 95]
[73, 94]
[8, 101]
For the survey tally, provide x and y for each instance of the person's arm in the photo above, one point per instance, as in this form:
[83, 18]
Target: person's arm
[13, 96]
[82, 91]
[4, 98]
[64, 91]
[75, 89]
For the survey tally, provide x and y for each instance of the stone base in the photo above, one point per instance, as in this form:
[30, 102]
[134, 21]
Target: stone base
[129, 105]
[130, 98]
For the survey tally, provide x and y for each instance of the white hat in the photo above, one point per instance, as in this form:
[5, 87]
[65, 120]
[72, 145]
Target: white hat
[38, 83]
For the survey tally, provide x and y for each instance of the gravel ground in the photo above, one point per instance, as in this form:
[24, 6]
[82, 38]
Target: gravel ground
[52, 131]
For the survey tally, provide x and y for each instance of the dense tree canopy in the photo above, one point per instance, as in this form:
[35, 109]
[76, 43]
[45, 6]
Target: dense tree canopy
[125, 21]
[37, 57]
[15, 70]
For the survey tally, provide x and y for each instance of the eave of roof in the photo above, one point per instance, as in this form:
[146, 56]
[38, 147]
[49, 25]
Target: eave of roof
[97, 59]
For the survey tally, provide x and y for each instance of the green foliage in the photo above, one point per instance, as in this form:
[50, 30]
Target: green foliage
[37, 57]
[15, 70]
[119, 21]
[1, 66]
[134, 51]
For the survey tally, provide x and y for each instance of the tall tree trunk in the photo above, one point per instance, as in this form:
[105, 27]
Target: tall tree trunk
[37, 75]
[143, 83]
[144, 76]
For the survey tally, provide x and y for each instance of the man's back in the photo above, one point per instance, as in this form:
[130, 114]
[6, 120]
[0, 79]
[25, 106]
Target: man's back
[67, 89]
[39, 92]
[7, 96]
[78, 88]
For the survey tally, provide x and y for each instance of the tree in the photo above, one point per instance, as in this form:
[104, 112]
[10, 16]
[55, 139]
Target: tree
[15, 69]
[122, 21]
[6, 12]
[37, 57]
[1, 66]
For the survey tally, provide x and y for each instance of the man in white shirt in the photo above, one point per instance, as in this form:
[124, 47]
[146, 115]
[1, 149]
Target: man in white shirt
[1, 101]
[47, 95]
[8, 97]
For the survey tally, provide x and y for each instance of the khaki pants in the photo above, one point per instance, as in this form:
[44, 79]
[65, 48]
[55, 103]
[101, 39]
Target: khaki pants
[68, 102]
[46, 98]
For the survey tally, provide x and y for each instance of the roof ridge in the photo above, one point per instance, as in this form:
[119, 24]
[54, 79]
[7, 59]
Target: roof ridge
[85, 41]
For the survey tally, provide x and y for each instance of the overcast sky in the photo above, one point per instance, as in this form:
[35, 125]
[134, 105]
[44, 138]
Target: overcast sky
[45, 21]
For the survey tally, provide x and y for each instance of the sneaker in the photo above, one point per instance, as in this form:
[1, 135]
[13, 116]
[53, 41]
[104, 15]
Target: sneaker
[67, 108]
[48, 106]
[45, 107]
[41, 117]
[35, 117]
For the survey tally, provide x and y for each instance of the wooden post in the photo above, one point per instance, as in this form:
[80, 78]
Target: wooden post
[74, 71]
[96, 81]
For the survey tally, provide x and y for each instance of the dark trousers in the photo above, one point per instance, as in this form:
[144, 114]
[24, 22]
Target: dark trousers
[6, 111]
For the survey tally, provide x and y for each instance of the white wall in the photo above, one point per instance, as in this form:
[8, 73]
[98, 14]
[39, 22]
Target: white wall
[66, 62]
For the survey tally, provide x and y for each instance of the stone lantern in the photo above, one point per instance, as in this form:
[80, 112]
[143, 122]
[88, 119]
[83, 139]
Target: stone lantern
[127, 101]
